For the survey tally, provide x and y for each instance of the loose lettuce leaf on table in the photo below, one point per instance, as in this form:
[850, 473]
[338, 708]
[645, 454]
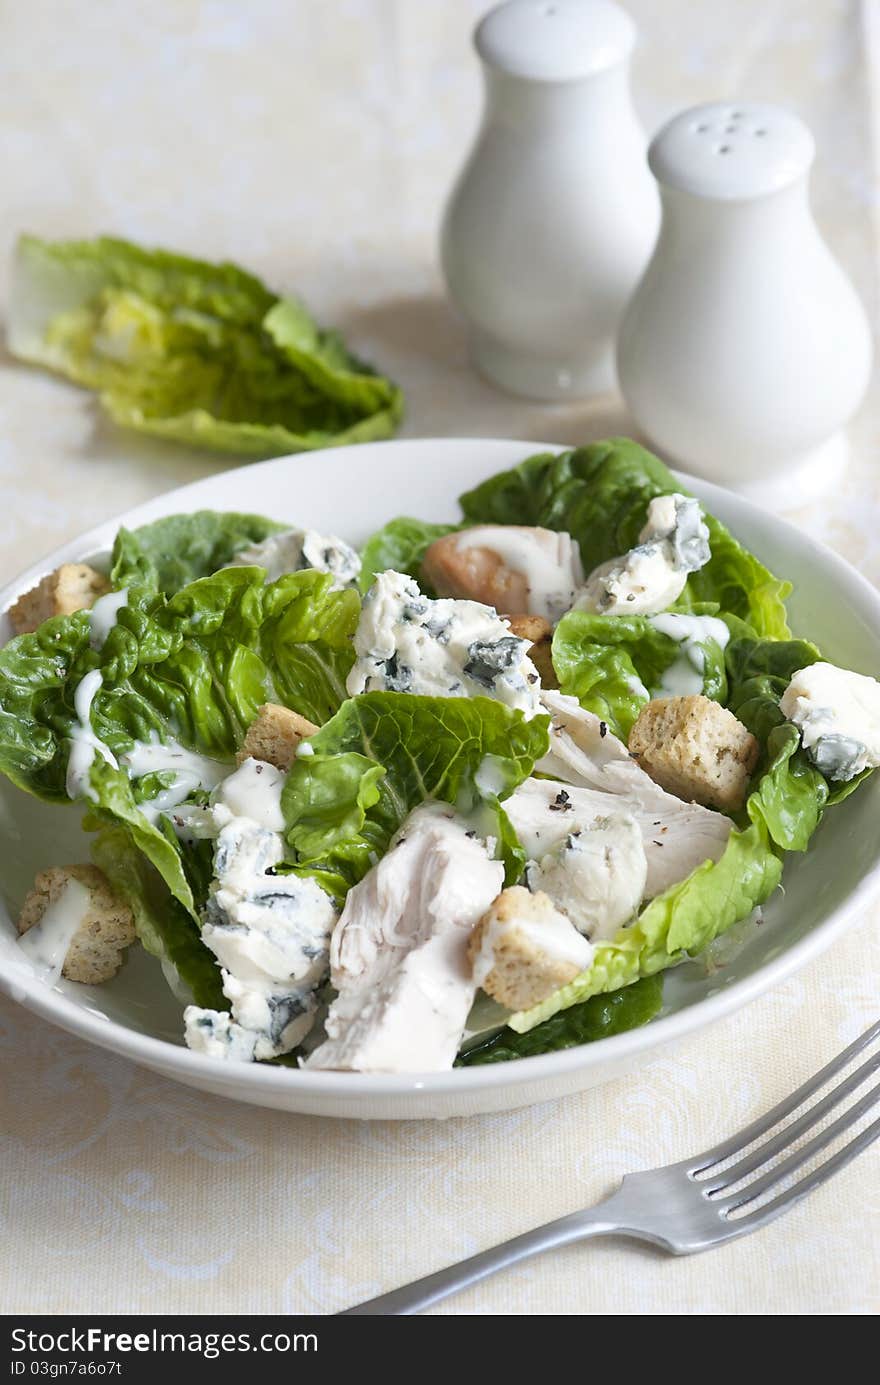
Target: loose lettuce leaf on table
[611, 664]
[600, 494]
[385, 753]
[191, 351]
[176, 550]
[596, 1018]
[674, 926]
[401, 544]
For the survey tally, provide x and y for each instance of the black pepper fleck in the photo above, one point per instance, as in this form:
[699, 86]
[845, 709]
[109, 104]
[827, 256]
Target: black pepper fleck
[603, 729]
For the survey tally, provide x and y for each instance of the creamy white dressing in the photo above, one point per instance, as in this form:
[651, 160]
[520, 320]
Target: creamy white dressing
[103, 616]
[684, 676]
[254, 791]
[490, 778]
[191, 772]
[549, 562]
[47, 943]
[84, 742]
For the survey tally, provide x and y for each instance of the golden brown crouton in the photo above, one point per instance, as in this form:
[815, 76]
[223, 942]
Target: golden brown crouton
[71, 587]
[523, 949]
[275, 735]
[535, 629]
[539, 632]
[95, 952]
[696, 749]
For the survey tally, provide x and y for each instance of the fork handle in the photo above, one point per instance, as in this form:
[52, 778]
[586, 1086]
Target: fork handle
[412, 1298]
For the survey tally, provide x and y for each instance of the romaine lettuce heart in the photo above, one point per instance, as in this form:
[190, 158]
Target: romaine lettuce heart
[194, 352]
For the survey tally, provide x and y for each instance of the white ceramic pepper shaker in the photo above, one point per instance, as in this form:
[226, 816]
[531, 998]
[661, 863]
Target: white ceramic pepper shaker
[745, 350]
[554, 216]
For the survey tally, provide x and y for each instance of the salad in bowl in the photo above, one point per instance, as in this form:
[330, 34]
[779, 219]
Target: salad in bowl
[459, 797]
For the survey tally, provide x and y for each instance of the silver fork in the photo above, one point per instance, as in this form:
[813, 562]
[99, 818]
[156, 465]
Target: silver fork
[686, 1207]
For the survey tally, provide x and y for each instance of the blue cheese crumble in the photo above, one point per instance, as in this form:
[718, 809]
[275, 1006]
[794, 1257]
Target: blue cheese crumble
[297, 549]
[650, 577]
[838, 715]
[406, 642]
[269, 932]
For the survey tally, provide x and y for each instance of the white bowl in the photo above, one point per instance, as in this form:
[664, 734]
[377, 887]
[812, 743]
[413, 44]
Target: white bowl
[352, 491]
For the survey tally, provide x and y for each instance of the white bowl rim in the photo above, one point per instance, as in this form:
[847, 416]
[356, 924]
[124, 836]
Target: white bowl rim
[29, 991]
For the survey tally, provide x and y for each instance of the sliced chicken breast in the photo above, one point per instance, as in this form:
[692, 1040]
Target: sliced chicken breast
[583, 753]
[398, 956]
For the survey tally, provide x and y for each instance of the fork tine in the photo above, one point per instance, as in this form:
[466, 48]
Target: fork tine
[753, 1220]
[766, 1122]
[788, 1134]
[802, 1155]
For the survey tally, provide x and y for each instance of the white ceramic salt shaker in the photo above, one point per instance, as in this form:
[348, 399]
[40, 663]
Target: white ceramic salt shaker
[745, 350]
[554, 216]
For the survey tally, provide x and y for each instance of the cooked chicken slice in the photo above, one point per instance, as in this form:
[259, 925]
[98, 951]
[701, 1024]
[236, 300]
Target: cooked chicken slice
[510, 567]
[677, 837]
[398, 956]
[583, 753]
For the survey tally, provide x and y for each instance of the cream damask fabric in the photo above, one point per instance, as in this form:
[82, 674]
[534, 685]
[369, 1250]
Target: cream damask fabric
[314, 144]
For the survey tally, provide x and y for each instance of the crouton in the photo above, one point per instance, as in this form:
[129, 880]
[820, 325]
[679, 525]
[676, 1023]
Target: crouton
[523, 949]
[275, 735]
[71, 587]
[95, 952]
[539, 633]
[535, 629]
[695, 749]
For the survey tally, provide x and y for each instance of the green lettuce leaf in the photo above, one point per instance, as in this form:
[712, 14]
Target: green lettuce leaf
[401, 544]
[385, 753]
[790, 793]
[600, 495]
[201, 662]
[163, 925]
[596, 1018]
[611, 664]
[191, 351]
[674, 926]
[305, 640]
[171, 552]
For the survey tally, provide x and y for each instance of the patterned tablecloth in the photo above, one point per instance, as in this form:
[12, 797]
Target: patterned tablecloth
[314, 143]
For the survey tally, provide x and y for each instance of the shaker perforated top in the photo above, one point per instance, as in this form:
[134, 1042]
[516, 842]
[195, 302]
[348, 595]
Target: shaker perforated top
[731, 150]
[555, 40]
